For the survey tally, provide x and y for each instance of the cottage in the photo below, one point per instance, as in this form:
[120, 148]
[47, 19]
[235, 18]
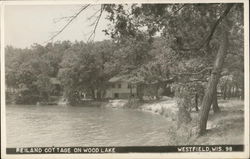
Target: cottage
[121, 88]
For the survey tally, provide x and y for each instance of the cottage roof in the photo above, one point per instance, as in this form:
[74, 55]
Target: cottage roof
[124, 78]
[55, 81]
[134, 79]
[117, 79]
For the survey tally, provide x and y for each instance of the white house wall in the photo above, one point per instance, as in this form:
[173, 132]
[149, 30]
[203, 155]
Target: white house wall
[123, 90]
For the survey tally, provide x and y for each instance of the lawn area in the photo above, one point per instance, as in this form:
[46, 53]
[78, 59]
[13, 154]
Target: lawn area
[226, 127]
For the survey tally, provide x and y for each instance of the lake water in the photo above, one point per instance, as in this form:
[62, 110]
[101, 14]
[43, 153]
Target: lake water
[31, 125]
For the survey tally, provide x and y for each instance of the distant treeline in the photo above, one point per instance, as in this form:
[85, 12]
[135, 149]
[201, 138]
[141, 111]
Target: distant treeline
[66, 69]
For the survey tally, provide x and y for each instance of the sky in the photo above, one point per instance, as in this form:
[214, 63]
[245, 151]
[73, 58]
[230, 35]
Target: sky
[29, 24]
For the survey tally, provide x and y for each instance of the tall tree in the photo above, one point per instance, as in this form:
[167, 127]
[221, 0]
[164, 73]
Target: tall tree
[85, 69]
[213, 81]
[191, 29]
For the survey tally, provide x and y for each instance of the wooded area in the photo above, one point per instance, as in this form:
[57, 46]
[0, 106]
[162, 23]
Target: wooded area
[195, 48]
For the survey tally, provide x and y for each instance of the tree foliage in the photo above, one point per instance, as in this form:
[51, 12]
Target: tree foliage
[192, 31]
[154, 44]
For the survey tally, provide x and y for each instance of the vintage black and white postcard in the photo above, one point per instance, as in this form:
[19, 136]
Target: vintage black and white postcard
[125, 79]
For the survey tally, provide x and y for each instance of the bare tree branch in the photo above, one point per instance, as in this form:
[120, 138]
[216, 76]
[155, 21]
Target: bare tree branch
[69, 22]
[94, 14]
[177, 10]
[56, 20]
[96, 24]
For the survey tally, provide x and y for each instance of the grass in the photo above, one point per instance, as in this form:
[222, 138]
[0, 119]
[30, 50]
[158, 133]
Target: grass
[226, 127]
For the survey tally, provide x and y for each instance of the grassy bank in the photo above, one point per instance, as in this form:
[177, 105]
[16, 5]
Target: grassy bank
[226, 127]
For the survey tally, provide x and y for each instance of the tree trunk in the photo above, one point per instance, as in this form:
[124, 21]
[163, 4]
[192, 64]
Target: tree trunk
[229, 92]
[98, 94]
[167, 91]
[140, 90]
[93, 93]
[232, 91]
[225, 92]
[156, 92]
[183, 116]
[213, 81]
[242, 93]
[236, 91]
[196, 102]
[130, 91]
[216, 108]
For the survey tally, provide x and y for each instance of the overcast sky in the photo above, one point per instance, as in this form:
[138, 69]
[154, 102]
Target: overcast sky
[25, 25]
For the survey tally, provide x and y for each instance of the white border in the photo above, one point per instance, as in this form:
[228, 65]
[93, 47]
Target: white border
[244, 154]
[70, 2]
[3, 114]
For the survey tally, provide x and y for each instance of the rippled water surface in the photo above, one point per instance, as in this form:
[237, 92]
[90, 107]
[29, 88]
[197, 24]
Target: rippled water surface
[30, 125]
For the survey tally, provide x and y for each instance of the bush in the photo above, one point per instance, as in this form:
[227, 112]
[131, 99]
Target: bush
[10, 97]
[27, 97]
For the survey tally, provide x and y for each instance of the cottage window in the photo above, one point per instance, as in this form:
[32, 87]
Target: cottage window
[119, 85]
[116, 95]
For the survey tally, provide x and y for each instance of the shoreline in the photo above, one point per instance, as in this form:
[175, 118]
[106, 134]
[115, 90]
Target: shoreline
[228, 122]
[165, 107]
